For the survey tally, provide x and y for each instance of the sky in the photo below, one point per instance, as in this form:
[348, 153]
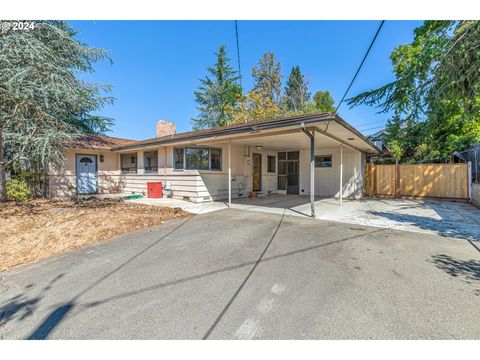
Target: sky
[157, 64]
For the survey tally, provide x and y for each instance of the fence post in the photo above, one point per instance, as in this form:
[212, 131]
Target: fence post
[469, 179]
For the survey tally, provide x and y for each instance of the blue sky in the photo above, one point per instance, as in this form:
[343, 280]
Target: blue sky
[157, 64]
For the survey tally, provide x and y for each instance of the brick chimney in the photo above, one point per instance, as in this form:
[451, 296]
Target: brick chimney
[165, 128]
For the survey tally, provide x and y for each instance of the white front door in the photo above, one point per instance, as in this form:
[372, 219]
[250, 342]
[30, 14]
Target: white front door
[86, 174]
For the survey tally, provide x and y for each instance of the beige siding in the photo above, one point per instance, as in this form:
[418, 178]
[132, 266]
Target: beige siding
[327, 180]
[63, 181]
[207, 185]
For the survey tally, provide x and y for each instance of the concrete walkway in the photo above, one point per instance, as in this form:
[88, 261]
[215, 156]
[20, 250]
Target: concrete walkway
[445, 218]
[237, 274]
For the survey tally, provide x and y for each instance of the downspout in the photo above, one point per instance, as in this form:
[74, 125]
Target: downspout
[311, 135]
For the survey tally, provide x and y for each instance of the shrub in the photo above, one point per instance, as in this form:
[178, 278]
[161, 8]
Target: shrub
[18, 190]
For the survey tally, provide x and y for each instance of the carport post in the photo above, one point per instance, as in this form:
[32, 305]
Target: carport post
[312, 173]
[312, 165]
[340, 193]
[229, 175]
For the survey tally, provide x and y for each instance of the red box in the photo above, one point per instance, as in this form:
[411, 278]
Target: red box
[154, 190]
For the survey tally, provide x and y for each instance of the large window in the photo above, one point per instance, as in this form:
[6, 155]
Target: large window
[150, 161]
[197, 158]
[323, 161]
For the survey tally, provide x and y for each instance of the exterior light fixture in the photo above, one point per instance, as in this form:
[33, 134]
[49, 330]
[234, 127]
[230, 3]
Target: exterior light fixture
[102, 158]
[259, 147]
[351, 139]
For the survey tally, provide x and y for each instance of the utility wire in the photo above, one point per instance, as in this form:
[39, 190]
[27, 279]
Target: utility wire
[360, 67]
[238, 56]
[372, 128]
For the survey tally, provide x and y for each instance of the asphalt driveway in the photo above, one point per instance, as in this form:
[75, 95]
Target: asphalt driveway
[237, 274]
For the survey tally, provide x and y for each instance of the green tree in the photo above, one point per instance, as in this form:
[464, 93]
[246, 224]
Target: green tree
[323, 101]
[43, 103]
[296, 94]
[267, 77]
[218, 94]
[437, 89]
[255, 106]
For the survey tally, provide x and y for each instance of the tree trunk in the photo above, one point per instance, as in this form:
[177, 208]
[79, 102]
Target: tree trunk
[3, 179]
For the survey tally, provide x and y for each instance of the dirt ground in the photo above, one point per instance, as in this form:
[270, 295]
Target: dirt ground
[39, 228]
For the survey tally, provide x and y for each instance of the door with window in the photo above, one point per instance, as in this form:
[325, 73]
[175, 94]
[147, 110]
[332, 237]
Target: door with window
[256, 172]
[288, 171]
[86, 174]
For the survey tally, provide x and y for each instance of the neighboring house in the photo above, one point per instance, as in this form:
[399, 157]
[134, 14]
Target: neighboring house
[271, 156]
[378, 139]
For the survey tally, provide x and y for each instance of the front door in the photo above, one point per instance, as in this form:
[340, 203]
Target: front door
[86, 174]
[257, 172]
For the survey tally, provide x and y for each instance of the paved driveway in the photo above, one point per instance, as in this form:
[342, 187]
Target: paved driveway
[236, 274]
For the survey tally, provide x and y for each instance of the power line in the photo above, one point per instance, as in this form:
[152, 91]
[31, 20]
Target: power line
[369, 123]
[361, 64]
[373, 128]
[238, 56]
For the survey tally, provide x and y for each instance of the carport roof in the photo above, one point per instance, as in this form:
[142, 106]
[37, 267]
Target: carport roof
[251, 126]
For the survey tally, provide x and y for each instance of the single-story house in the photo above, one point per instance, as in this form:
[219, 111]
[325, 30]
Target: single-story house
[316, 155]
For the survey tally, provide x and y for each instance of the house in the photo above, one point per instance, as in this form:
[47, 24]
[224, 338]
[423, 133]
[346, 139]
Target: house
[378, 139]
[316, 155]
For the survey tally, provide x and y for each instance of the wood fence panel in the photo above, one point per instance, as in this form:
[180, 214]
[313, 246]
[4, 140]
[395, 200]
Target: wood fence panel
[417, 180]
[385, 180]
[370, 177]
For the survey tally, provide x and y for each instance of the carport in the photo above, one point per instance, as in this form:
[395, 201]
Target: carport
[312, 157]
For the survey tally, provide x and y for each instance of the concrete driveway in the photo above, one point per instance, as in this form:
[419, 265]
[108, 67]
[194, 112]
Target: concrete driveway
[446, 218]
[237, 274]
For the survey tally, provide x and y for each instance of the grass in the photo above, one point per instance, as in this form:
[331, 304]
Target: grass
[40, 228]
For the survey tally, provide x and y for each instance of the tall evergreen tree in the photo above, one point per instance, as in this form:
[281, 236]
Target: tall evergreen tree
[43, 103]
[296, 93]
[323, 101]
[218, 93]
[267, 77]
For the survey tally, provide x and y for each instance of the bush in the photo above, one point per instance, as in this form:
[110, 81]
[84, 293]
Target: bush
[18, 190]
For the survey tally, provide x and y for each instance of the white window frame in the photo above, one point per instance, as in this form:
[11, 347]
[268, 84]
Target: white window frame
[198, 147]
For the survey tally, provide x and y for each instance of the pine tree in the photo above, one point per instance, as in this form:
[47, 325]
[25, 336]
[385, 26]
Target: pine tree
[296, 91]
[43, 103]
[218, 94]
[267, 77]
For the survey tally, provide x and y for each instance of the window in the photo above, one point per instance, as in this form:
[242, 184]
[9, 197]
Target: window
[293, 155]
[271, 162]
[216, 159]
[150, 161]
[323, 161]
[198, 158]
[86, 160]
[128, 163]
[178, 158]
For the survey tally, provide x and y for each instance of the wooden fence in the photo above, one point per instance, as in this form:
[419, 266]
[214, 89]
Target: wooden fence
[449, 181]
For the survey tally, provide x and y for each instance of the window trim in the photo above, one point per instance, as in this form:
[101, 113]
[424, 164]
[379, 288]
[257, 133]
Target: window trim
[197, 147]
[323, 156]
